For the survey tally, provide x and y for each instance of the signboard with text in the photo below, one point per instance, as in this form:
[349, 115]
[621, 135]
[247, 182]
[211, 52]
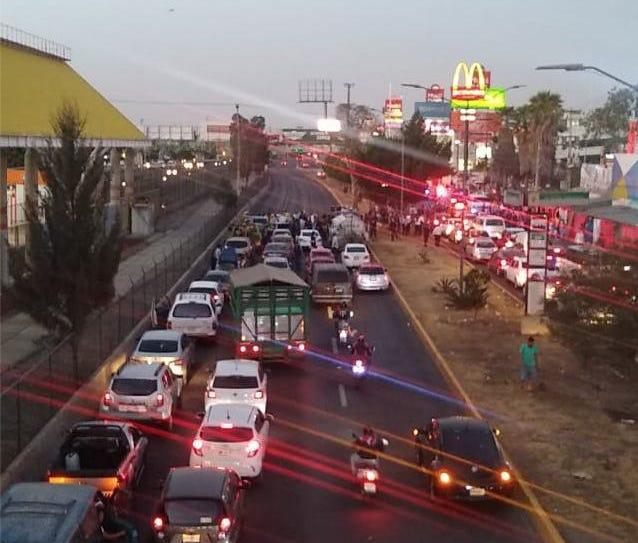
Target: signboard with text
[435, 94]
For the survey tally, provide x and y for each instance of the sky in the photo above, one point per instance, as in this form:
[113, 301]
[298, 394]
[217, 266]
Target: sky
[215, 53]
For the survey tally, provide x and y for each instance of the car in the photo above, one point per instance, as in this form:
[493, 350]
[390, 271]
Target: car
[462, 459]
[304, 239]
[241, 244]
[321, 174]
[214, 290]
[260, 221]
[480, 248]
[278, 249]
[372, 277]
[330, 283]
[284, 163]
[277, 262]
[355, 254]
[237, 381]
[200, 505]
[171, 347]
[499, 260]
[282, 231]
[194, 314]
[141, 392]
[492, 224]
[517, 272]
[232, 436]
[310, 266]
[222, 278]
[320, 252]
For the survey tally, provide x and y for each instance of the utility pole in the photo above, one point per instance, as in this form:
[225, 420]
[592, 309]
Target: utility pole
[466, 154]
[402, 166]
[238, 157]
[348, 86]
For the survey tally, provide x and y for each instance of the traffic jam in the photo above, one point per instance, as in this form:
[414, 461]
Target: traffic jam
[258, 291]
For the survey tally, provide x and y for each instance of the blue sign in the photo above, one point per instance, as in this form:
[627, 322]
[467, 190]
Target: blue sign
[433, 110]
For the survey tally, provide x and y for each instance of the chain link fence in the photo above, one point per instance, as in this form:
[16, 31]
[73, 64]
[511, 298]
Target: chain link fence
[35, 390]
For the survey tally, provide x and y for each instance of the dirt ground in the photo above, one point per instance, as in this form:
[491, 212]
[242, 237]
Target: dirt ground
[572, 438]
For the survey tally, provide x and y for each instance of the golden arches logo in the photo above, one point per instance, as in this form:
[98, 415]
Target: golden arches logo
[474, 82]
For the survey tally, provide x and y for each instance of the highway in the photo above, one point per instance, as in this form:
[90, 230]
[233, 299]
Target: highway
[307, 494]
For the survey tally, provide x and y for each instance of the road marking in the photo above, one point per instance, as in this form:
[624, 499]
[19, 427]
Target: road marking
[342, 396]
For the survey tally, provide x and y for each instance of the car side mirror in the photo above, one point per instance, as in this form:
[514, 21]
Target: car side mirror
[201, 414]
[270, 418]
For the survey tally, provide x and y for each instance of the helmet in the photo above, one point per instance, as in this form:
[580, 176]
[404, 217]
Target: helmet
[361, 338]
[367, 430]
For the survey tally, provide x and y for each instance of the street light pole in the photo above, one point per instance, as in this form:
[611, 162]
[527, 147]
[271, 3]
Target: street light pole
[402, 166]
[238, 157]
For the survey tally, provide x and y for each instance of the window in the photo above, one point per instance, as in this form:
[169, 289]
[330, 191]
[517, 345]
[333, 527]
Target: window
[157, 346]
[192, 310]
[356, 249]
[471, 444]
[193, 512]
[259, 422]
[494, 222]
[333, 276]
[235, 381]
[134, 387]
[485, 244]
[218, 434]
[237, 243]
[203, 290]
[372, 271]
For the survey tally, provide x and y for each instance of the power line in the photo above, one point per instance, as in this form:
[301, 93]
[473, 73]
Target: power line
[179, 103]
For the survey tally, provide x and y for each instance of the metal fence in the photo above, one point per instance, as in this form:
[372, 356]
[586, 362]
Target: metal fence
[36, 389]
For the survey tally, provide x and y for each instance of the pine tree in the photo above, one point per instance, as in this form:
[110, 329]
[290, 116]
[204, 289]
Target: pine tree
[72, 258]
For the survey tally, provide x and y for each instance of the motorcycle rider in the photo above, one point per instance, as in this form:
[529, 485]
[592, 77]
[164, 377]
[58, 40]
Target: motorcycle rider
[342, 313]
[361, 348]
[366, 447]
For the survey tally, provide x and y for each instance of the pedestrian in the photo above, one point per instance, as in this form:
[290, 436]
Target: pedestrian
[335, 244]
[216, 254]
[437, 232]
[393, 228]
[529, 364]
[426, 234]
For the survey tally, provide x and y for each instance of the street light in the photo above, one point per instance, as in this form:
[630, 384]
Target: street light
[460, 206]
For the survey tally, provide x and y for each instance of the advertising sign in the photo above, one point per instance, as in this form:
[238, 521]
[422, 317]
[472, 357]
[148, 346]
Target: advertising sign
[538, 223]
[513, 197]
[536, 259]
[433, 110]
[535, 297]
[538, 240]
[473, 84]
[393, 112]
[435, 94]
[494, 98]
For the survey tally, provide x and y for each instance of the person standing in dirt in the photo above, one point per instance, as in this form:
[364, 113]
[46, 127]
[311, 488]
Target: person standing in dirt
[393, 228]
[529, 364]
[426, 233]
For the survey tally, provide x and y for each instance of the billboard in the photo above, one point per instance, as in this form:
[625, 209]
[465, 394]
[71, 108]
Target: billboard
[433, 110]
[435, 93]
[474, 82]
[494, 98]
[393, 112]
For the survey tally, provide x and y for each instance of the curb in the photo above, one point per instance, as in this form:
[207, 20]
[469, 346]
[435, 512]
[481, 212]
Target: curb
[542, 520]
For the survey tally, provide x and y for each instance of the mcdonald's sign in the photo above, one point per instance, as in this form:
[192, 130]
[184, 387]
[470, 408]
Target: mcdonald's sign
[474, 82]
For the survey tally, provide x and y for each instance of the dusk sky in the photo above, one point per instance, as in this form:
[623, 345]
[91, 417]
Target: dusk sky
[255, 51]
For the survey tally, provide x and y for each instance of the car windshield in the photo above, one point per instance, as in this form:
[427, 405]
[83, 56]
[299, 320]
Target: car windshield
[356, 249]
[203, 290]
[281, 238]
[158, 346]
[333, 276]
[134, 387]
[485, 244]
[372, 271]
[237, 243]
[260, 220]
[307, 233]
[192, 310]
[276, 248]
[235, 381]
[278, 264]
[189, 512]
[494, 222]
[471, 444]
[236, 434]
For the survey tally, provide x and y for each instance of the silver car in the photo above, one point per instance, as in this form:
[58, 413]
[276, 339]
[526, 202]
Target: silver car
[372, 277]
[170, 347]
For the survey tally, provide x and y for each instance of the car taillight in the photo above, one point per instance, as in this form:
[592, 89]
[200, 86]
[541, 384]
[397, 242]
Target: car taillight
[371, 475]
[444, 478]
[224, 524]
[158, 524]
[216, 298]
[252, 448]
[255, 348]
[198, 445]
[301, 346]
[242, 348]
[358, 362]
[159, 400]
[108, 398]
[505, 476]
[169, 325]
[259, 394]
[503, 262]
[211, 393]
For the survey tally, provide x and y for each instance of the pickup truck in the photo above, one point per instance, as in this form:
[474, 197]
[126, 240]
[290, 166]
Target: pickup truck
[104, 454]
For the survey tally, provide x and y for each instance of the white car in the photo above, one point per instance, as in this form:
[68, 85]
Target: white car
[355, 254]
[281, 232]
[480, 248]
[492, 224]
[304, 239]
[142, 392]
[213, 289]
[237, 381]
[193, 313]
[241, 245]
[170, 347]
[277, 262]
[516, 271]
[232, 436]
[372, 277]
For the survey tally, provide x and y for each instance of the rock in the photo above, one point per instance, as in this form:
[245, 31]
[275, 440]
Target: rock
[582, 475]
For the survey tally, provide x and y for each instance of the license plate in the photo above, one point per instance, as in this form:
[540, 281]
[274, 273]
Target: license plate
[477, 491]
[190, 538]
[133, 408]
[370, 487]
[339, 290]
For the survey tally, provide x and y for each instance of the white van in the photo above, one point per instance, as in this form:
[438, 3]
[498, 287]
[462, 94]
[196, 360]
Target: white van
[492, 224]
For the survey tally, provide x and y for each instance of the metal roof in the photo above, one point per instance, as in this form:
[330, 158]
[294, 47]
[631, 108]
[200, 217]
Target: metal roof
[265, 275]
[33, 85]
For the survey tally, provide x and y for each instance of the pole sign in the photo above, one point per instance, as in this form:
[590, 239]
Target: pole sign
[536, 265]
[435, 93]
[473, 85]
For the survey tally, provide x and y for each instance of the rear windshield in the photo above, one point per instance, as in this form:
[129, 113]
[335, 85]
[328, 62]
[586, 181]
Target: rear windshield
[189, 512]
[484, 244]
[192, 310]
[276, 247]
[472, 444]
[157, 346]
[277, 264]
[235, 381]
[307, 233]
[226, 435]
[494, 222]
[356, 249]
[372, 271]
[280, 238]
[237, 243]
[332, 276]
[220, 277]
[134, 387]
[260, 220]
[203, 290]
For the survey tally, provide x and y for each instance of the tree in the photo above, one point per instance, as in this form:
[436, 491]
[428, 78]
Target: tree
[545, 112]
[72, 258]
[505, 164]
[612, 119]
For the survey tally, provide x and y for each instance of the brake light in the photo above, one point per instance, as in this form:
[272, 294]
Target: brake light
[358, 363]
[444, 478]
[259, 394]
[301, 346]
[227, 425]
[160, 400]
[503, 262]
[371, 475]
[121, 480]
[224, 524]
[255, 348]
[252, 448]
[108, 399]
[211, 393]
[216, 298]
[158, 524]
[242, 349]
[198, 445]
[506, 476]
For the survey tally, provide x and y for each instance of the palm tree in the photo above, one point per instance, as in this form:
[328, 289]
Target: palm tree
[545, 113]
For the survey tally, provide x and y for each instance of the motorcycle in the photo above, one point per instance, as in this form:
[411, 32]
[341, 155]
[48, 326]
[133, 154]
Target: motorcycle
[344, 332]
[365, 468]
[360, 365]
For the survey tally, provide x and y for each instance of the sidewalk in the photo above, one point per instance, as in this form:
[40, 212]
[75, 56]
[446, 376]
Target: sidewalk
[21, 337]
[573, 438]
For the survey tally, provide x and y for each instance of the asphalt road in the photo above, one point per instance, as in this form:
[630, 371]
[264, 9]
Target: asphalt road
[307, 494]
